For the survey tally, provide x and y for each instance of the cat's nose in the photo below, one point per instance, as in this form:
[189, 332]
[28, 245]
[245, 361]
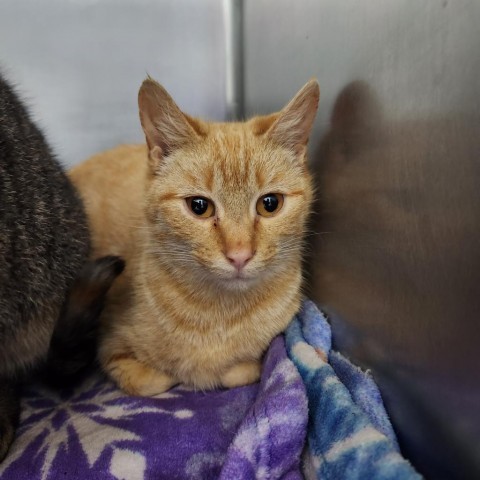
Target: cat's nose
[239, 257]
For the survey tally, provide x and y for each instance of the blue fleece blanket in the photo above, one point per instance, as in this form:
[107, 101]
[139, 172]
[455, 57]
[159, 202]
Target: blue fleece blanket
[349, 433]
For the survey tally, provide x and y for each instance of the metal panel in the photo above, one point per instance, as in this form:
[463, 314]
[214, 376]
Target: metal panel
[234, 29]
[396, 149]
[81, 63]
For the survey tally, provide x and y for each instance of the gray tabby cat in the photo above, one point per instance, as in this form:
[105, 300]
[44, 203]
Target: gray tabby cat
[50, 295]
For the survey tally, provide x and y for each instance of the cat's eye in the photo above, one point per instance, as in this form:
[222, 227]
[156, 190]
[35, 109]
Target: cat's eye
[269, 205]
[200, 206]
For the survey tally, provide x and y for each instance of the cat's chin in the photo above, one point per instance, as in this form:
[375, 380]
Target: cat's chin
[239, 283]
[232, 279]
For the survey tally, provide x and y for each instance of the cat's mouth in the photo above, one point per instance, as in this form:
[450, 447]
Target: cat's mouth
[237, 278]
[231, 277]
[241, 274]
[241, 277]
[239, 282]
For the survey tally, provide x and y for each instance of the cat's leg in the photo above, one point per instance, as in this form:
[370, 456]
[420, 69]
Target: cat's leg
[9, 414]
[241, 374]
[136, 378]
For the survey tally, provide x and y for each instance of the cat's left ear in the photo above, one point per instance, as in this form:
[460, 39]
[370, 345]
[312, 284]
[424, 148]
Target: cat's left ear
[166, 127]
[293, 123]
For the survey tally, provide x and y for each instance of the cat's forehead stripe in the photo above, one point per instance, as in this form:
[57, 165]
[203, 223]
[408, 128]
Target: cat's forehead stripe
[209, 177]
[233, 161]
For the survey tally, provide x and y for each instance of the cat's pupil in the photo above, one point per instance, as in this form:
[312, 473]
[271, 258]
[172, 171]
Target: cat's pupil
[270, 203]
[199, 205]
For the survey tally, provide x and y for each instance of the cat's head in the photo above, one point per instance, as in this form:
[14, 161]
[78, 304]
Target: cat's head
[227, 202]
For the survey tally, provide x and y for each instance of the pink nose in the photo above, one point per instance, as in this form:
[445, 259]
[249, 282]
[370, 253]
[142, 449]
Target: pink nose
[239, 258]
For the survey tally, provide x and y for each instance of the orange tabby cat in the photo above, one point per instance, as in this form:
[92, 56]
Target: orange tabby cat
[210, 219]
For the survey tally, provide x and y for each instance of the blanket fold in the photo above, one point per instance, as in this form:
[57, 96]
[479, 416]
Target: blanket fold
[349, 433]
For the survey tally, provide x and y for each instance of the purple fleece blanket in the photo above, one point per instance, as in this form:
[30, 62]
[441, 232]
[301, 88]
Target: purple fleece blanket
[97, 432]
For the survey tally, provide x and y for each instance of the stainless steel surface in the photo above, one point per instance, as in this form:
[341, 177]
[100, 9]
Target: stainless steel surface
[234, 58]
[81, 63]
[396, 250]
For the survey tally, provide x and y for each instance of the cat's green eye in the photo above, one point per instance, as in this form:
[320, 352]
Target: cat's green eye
[200, 206]
[270, 204]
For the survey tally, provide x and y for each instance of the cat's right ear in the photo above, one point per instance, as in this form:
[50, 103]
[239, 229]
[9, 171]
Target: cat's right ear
[292, 125]
[166, 127]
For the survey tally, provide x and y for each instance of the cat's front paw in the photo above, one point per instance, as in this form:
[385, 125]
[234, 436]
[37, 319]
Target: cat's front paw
[241, 374]
[136, 378]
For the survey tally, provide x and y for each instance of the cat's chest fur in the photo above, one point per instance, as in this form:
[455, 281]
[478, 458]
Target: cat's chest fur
[196, 339]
